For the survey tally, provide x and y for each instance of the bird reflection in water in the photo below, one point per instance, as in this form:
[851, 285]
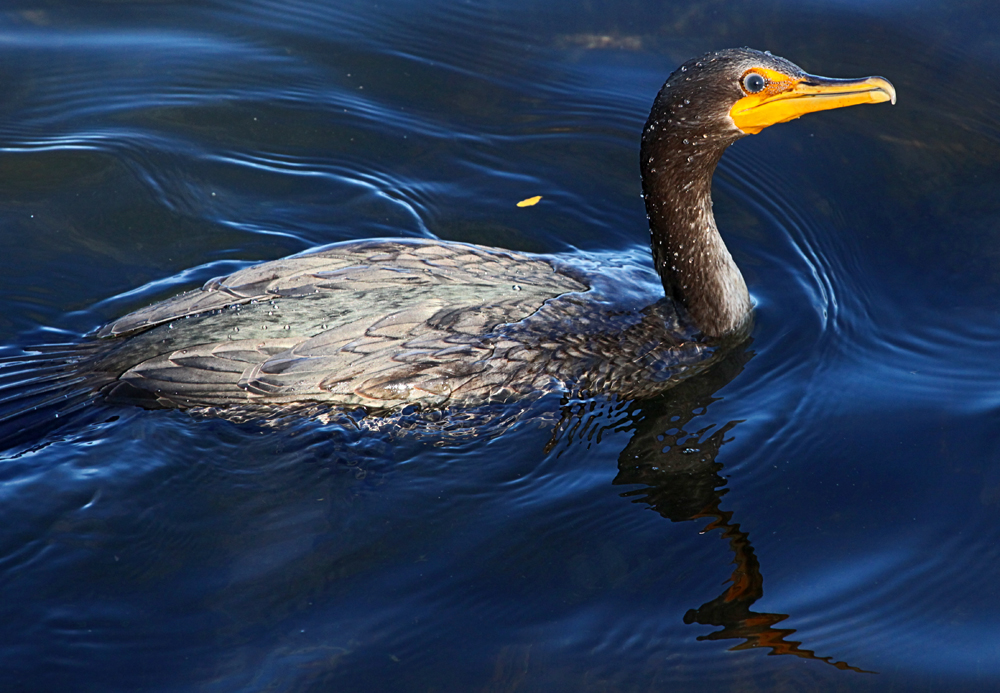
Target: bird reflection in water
[681, 480]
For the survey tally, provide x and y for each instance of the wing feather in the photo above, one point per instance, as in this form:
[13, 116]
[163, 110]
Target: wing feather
[378, 324]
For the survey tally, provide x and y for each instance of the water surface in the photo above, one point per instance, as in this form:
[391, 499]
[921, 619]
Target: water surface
[844, 462]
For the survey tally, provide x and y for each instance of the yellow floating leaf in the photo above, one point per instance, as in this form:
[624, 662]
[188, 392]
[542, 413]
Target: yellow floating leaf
[530, 202]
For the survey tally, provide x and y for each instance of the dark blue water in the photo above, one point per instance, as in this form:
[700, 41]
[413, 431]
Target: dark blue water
[845, 463]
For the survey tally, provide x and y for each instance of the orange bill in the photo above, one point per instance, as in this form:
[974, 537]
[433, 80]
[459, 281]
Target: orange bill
[785, 98]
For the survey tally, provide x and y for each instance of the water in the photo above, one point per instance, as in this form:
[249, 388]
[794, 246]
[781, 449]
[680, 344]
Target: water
[845, 459]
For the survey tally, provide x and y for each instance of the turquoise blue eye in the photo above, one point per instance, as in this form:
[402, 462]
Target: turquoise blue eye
[754, 82]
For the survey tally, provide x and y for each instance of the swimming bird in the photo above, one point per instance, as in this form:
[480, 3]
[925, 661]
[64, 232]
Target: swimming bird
[386, 324]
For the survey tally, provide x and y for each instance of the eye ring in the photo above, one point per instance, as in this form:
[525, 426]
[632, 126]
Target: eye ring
[753, 82]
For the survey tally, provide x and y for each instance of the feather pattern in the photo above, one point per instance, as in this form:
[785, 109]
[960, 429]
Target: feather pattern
[387, 324]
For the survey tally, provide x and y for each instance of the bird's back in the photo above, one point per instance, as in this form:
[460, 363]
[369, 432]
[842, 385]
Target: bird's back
[386, 324]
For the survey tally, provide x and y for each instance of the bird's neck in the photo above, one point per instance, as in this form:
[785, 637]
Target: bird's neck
[695, 266]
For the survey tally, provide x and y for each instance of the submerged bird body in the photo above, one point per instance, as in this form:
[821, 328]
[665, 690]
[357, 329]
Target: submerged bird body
[387, 324]
[384, 324]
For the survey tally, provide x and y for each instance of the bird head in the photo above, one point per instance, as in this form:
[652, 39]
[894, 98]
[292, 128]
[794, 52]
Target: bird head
[740, 91]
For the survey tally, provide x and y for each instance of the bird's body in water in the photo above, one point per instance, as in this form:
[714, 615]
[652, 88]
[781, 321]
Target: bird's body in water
[384, 324]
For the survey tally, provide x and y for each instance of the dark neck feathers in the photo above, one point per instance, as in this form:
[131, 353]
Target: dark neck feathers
[682, 143]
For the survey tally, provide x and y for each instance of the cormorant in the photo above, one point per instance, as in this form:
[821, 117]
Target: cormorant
[384, 324]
